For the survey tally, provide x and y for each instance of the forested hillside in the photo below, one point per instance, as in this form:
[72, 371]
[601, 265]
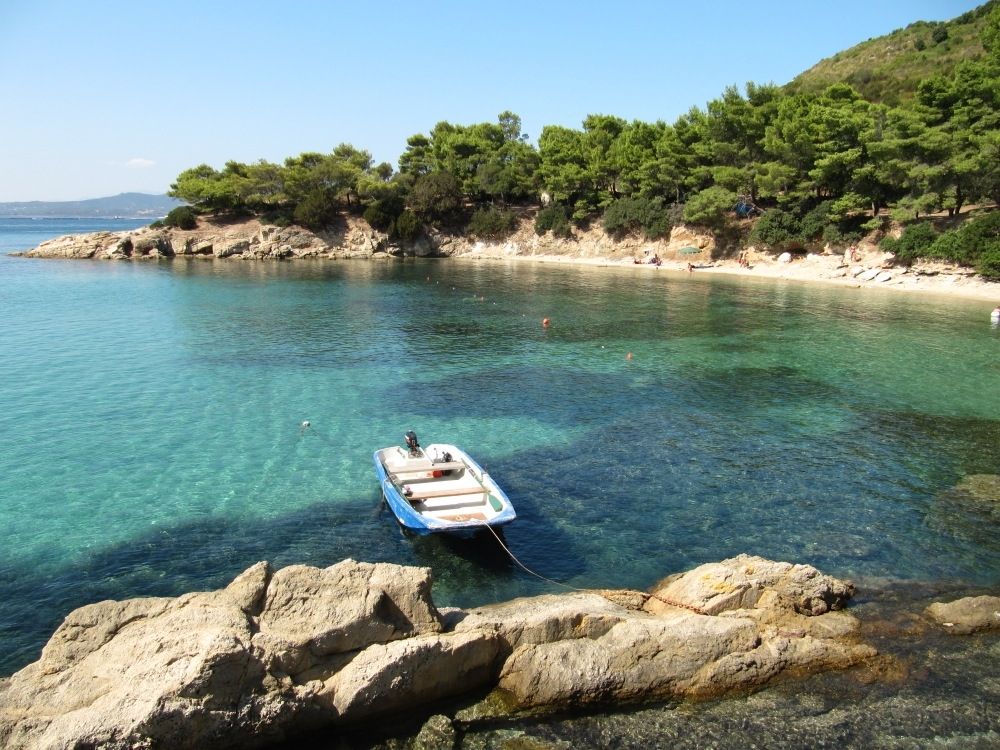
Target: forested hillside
[812, 166]
[889, 68]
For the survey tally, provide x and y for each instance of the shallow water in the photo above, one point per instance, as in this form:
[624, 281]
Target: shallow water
[150, 418]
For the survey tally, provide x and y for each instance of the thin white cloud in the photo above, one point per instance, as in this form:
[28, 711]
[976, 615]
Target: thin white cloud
[139, 163]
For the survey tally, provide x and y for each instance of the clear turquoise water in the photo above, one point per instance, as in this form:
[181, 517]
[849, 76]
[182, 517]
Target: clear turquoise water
[150, 412]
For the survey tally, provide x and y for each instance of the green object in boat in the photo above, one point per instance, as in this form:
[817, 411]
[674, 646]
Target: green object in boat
[495, 504]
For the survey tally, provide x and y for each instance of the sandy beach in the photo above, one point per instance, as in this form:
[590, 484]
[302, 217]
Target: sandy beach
[921, 278]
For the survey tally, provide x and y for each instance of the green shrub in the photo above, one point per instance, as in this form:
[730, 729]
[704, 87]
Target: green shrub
[846, 205]
[914, 242]
[583, 211]
[380, 214]
[947, 246]
[776, 228]
[988, 264]
[835, 234]
[709, 207]
[182, 217]
[554, 219]
[675, 214]
[436, 196]
[815, 221]
[491, 223]
[279, 217]
[635, 213]
[983, 230]
[973, 240]
[876, 224]
[407, 226]
[317, 210]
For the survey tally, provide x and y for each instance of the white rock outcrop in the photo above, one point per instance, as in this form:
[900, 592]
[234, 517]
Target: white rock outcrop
[249, 239]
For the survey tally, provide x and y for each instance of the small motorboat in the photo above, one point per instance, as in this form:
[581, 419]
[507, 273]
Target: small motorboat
[439, 489]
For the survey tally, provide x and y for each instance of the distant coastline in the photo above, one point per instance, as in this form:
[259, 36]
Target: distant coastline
[121, 206]
[67, 217]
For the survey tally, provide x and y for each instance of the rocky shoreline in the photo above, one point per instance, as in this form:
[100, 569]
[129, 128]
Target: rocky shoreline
[686, 250]
[279, 654]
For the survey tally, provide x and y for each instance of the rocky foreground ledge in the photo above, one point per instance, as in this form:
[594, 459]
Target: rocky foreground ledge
[279, 653]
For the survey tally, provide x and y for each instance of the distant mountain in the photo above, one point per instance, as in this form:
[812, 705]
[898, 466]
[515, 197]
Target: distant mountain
[124, 205]
[888, 68]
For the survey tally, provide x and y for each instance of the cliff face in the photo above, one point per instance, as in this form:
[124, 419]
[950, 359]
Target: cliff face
[252, 240]
[279, 653]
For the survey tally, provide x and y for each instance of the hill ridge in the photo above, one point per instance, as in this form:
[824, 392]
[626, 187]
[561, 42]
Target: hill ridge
[124, 205]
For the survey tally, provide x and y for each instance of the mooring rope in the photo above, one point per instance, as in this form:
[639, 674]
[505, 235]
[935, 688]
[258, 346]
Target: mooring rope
[526, 569]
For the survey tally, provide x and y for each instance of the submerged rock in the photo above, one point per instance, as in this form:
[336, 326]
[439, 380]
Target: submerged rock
[279, 653]
[985, 487]
[969, 615]
[437, 733]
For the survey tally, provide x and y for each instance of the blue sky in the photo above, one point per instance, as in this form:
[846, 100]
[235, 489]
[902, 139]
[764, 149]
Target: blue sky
[106, 97]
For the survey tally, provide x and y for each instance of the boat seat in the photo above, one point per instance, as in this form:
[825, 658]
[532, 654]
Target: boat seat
[424, 474]
[413, 464]
[424, 494]
[445, 466]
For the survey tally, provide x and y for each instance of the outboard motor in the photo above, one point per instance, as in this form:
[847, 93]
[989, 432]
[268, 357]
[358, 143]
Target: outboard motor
[411, 442]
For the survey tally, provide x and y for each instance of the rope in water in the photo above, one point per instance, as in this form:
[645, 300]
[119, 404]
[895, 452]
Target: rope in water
[526, 569]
